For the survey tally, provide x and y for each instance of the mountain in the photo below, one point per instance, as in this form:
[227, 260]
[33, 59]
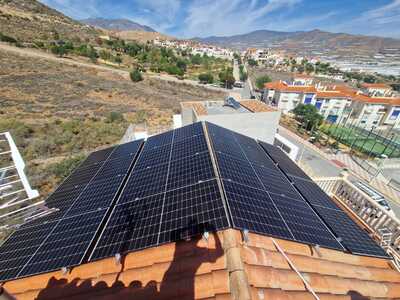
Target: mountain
[117, 24]
[30, 20]
[310, 42]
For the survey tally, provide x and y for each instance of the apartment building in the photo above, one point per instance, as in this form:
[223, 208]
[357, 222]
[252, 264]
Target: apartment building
[338, 103]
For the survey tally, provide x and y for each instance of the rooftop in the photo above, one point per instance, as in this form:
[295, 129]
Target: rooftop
[376, 85]
[200, 212]
[222, 268]
[202, 108]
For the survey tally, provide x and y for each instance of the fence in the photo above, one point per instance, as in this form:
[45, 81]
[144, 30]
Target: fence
[383, 226]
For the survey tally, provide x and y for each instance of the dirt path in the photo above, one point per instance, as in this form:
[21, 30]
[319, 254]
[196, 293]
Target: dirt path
[69, 61]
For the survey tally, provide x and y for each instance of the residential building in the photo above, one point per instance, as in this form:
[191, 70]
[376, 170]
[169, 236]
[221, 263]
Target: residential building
[338, 103]
[249, 117]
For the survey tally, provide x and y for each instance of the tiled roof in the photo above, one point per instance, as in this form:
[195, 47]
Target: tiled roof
[331, 94]
[198, 107]
[376, 85]
[285, 88]
[220, 269]
[256, 106]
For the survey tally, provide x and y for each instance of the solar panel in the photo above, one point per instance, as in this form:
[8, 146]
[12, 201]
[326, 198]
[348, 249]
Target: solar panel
[284, 162]
[351, 236]
[131, 197]
[257, 194]
[171, 193]
[61, 239]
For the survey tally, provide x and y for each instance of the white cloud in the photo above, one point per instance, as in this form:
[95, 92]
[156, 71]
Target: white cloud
[383, 20]
[227, 17]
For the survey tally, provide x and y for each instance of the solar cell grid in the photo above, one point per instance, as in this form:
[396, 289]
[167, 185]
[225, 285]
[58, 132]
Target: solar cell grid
[126, 149]
[154, 156]
[313, 193]
[188, 131]
[284, 162]
[97, 156]
[66, 244]
[237, 170]
[158, 140]
[133, 225]
[353, 237]
[253, 209]
[145, 182]
[98, 194]
[189, 147]
[19, 248]
[190, 170]
[304, 223]
[190, 210]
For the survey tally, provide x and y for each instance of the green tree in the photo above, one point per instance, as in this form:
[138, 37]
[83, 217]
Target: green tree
[196, 59]
[136, 75]
[181, 64]
[252, 62]
[206, 78]
[309, 68]
[226, 77]
[262, 80]
[59, 50]
[115, 116]
[308, 115]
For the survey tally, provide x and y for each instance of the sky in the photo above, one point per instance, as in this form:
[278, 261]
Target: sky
[200, 18]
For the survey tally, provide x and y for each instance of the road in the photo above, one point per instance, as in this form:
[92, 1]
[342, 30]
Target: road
[322, 167]
[69, 61]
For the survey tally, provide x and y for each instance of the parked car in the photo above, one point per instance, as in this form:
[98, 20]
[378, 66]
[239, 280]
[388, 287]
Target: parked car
[238, 84]
[375, 195]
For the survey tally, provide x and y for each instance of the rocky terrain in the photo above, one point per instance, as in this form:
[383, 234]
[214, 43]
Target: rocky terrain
[59, 112]
[30, 21]
[116, 24]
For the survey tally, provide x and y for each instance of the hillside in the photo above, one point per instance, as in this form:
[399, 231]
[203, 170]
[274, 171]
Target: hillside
[116, 24]
[141, 36]
[30, 20]
[311, 41]
[58, 112]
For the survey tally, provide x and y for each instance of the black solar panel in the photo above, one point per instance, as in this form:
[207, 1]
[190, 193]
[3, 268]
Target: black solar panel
[253, 186]
[351, 236]
[61, 239]
[284, 162]
[164, 202]
[131, 197]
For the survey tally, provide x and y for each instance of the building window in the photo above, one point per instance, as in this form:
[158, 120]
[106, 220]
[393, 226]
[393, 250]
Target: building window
[395, 114]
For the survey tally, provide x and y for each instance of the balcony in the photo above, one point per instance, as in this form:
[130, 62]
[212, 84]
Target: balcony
[382, 226]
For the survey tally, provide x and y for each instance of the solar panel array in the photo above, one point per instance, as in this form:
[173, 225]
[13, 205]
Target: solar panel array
[171, 193]
[352, 236]
[61, 239]
[260, 197]
[139, 195]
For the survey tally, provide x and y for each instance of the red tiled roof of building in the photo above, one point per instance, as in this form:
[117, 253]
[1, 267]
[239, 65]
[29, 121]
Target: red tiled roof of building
[331, 94]
[285, 88]
[376, 85]
[256, 106]
[198, 107]
[202, 269]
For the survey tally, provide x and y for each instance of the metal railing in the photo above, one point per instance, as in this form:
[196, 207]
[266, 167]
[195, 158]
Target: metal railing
[384, 226]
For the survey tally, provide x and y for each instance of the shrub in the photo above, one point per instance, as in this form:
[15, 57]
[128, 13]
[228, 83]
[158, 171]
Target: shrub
[262, 80]
[206, 78]
[7, 39]
[252, 62]
[115, 117]
[136, 75]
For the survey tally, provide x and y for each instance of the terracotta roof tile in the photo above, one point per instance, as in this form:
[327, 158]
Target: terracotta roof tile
[256, 106]
[196, 270]
[198, 107]
[376, 85]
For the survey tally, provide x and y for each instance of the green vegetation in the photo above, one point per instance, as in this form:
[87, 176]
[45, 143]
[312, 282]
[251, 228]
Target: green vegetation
[242, 74]
[252, 62]
[136, 75]
[226, 77]
[262, 80]
[65, 167]
[7, 39]
[206, 78]
[308, 115]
